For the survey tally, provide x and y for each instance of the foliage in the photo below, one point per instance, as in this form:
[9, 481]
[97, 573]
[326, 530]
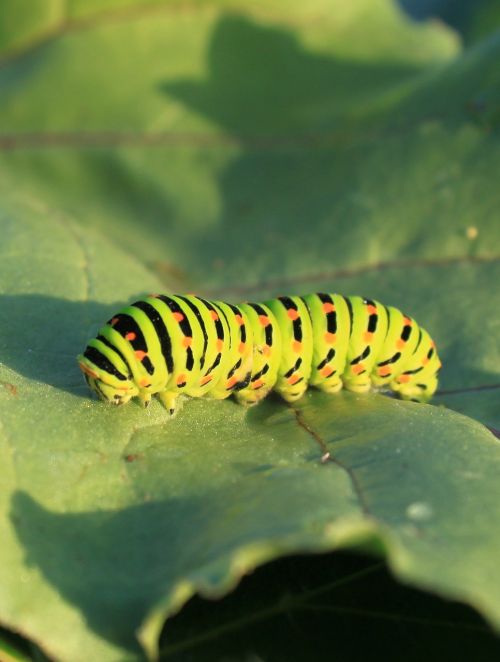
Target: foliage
[239, 151]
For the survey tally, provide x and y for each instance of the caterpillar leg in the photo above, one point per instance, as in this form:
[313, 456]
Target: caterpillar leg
[144, 398]
[249, 399]
[169, 401]
[358, 386]
[292, 397]
[332, 385]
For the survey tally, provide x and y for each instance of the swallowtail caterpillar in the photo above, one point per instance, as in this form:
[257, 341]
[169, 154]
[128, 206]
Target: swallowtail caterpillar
[185, 345]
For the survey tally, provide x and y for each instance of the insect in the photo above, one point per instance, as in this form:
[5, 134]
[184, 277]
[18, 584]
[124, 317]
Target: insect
[183, 344]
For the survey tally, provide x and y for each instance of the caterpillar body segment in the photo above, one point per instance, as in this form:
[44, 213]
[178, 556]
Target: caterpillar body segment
[293, 320]
[266, 353]
[183, 344]
[330, 314]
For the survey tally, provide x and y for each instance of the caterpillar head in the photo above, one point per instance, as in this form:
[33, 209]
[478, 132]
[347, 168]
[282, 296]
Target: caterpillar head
[107, 387]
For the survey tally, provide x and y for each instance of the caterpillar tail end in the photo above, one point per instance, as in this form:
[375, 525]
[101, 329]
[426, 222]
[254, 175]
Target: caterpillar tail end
[419, 392]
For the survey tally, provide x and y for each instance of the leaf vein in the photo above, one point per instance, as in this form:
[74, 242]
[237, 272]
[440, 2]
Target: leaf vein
[328, 457]
[348, 272]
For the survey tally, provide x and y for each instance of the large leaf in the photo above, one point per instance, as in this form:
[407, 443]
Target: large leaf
[241, 152]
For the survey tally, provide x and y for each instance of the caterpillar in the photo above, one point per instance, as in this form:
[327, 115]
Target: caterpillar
[183, 344]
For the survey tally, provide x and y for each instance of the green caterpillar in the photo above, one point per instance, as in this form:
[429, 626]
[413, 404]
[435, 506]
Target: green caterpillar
[173, 345]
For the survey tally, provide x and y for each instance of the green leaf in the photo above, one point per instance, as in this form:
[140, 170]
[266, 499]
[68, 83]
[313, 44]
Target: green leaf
[241, 151]
[25, 22]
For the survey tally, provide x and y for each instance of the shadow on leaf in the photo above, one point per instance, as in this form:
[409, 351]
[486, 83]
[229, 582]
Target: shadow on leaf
[267, 90]
[261, 78]
[41, 336]
[116, 565]
[113, 566]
